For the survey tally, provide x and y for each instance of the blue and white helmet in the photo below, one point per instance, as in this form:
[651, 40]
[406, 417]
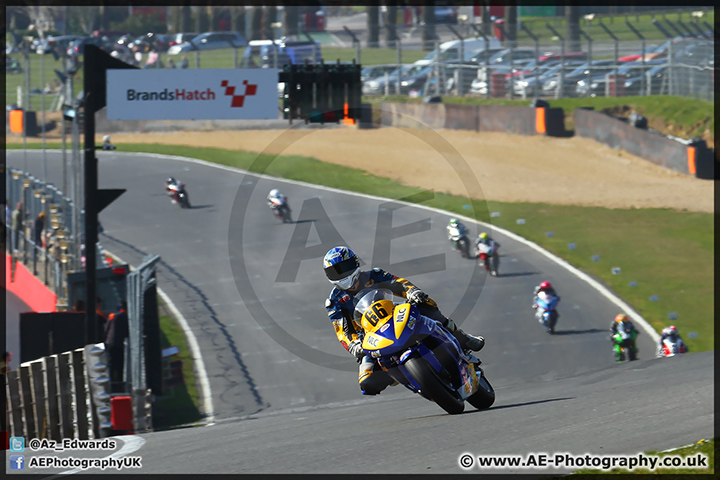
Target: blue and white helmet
[342, 267]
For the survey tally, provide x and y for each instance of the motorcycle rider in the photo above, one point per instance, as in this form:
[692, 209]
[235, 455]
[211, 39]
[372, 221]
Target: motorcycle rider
[173, 187]
[671, 333]
[275, 197]
[461, 228]
[342, 268]
[546, 287]
[622, 319]
[485, 239]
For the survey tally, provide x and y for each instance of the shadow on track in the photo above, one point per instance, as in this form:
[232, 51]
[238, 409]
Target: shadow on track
[578, 332]
[518, 274]
[513, 405]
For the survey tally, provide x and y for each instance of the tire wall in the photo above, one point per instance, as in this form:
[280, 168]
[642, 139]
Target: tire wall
[695, 159]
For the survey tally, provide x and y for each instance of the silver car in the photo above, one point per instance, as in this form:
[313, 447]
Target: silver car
[210, 41]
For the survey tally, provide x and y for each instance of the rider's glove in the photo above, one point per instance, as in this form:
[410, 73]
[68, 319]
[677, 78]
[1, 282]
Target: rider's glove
[416, 296]
[355, 348]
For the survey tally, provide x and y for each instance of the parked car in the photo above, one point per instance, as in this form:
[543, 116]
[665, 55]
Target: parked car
[655, 81]
[210, 41]
[59, 44]
[570, 79]
[376, 86]
[503, 56]
[596, 87]
[152, 41]
[526, 85]
[693, 52]
[450, 51]
[480, 56]
[446, 14]
[556, 57]
[179, 38]
[375, 71]
[649, 50]
[479, 84]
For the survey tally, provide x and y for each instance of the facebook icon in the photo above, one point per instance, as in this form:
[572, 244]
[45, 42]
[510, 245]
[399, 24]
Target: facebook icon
[17, 462]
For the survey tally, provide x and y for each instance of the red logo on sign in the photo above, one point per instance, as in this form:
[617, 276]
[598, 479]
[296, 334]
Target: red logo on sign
[238, 100]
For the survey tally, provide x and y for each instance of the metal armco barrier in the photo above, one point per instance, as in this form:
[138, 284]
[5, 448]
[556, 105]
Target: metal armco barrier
[46, 398]
[143, 339]
[676, 154]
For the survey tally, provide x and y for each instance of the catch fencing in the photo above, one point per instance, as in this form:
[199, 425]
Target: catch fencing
[686, 70]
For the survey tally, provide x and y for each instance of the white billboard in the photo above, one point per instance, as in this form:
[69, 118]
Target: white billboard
[192, 94]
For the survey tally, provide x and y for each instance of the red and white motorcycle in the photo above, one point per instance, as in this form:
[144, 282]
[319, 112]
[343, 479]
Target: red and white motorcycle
[671, 346]
[178, 194]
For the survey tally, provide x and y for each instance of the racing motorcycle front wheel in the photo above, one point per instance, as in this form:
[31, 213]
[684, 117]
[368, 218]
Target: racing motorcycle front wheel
[433, 388]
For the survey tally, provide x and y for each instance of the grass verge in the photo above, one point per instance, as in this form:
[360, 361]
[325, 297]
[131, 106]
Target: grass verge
[178, 406]
[703, 447]
[659, 284]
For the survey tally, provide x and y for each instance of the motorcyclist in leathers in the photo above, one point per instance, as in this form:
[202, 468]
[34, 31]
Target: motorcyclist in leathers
[342, 269]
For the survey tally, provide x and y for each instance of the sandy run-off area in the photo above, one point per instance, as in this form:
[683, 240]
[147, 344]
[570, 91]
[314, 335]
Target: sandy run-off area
[508, 168]
[490, 166]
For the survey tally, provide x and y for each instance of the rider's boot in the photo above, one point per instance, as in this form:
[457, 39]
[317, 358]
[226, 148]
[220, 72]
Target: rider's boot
[467, 342]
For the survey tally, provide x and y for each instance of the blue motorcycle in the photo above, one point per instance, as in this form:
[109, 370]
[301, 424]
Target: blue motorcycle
[420, 353]
[546, 312]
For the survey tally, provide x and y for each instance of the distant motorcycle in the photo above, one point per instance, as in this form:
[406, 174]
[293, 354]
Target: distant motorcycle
[546, 312]
[459, 241]
[281, 210]
[489, 257]
[672, 346]
[625, 345]
[178, 195]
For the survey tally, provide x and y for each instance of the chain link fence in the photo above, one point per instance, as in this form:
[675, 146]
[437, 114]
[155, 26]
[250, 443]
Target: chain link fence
[681, 67]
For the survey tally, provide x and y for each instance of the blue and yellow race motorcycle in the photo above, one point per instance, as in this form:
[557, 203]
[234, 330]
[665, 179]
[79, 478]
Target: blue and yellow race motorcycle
[420, 353]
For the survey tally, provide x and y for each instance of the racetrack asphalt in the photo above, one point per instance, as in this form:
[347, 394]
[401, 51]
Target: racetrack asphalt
[284, 391]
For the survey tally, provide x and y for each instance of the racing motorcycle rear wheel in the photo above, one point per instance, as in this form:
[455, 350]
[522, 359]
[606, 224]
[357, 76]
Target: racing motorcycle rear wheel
[433, 388]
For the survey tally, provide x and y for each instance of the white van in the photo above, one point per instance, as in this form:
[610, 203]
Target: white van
[450, 51]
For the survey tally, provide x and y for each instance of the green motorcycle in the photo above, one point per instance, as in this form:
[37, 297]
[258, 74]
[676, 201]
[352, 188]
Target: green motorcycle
[625, 346]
